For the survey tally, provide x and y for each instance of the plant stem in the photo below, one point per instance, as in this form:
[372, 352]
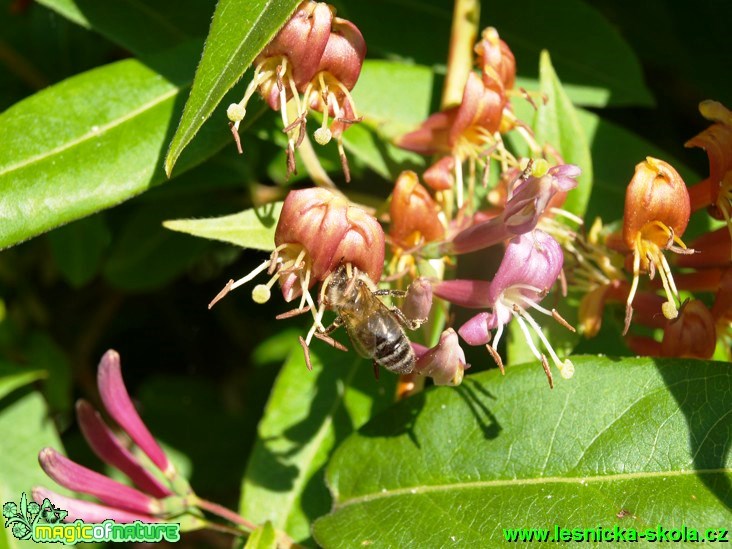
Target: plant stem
[465, 21]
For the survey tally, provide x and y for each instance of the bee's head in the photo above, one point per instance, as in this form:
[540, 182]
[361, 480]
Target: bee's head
[339, 285]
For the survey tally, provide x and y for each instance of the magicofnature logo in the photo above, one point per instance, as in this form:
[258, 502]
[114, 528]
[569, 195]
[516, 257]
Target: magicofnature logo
[23, 518]
[45, 523]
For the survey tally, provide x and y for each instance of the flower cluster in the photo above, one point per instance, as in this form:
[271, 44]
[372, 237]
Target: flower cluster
[312, 63]
[159, 492]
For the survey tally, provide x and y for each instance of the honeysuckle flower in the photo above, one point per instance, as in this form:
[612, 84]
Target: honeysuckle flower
[467, 132]
[528, 198]
[444, 363]
[655, 217]
[151, 500]
[319, 56]
[317, 230]
[713, 249]
[530, 267]
[716, 190]
[414, 214]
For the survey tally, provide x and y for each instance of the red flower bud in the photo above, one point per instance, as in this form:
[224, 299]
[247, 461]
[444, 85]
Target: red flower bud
[444, 363]
[418, 301]
[414, 214]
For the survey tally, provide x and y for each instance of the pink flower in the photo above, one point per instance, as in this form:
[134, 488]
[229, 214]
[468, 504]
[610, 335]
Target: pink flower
[530, 267]
[444, 363]
[150, 498]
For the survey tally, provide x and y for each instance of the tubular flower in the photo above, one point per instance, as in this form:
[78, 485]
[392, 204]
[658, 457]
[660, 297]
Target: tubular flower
[317, 55]
[530, 267]
[716, 140]
[656, 214]
[444, 363]
[466, 133]
[418, 301]
[528, 198]
[414, 214]
[150, 500]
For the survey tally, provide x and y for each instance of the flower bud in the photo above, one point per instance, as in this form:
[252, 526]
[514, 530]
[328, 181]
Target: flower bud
[88, 511]
[444, 363]
[496, 59]
[692, 334]
[414, 214]
[418, 301]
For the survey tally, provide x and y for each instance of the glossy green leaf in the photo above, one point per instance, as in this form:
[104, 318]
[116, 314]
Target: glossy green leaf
[642, 439]
[239, 31]
[308, 414]
[13, 376]
[140, 27]
[91, 142]
[558, 125]
[253, 228]
[263, 537]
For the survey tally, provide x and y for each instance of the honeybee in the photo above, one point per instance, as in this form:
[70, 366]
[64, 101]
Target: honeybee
[376, 331]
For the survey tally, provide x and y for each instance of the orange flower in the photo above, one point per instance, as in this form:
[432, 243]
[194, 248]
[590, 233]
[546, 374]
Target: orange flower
[656, 214]
[414, 214]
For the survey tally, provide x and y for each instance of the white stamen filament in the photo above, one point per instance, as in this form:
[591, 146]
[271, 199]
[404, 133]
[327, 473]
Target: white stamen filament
[563, 367]
[528, 337]
[458, 181]
[250, 276]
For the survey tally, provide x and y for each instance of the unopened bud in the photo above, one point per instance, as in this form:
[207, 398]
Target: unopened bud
[692, 334]
[444, 363]
[418, 302]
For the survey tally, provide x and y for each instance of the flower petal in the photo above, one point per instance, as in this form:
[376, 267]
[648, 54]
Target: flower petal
[119, 405]
[472, 294]
[80, 479]
[86, 510]
[109, 449]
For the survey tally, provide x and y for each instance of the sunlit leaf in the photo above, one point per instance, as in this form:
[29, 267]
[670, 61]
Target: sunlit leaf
[253, 228]
[631, 442]
[91, 142]
[239, 31]
[557, 124]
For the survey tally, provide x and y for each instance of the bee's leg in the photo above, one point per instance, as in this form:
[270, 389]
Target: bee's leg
[376, 370]
[337, 323]
[391, 293]
[412, 324]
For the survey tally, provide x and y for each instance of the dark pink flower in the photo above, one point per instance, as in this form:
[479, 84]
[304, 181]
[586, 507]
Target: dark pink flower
[151, 499]
[530, 267]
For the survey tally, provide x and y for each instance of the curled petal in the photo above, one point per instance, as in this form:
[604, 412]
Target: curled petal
[413, 212]
[496, 58]
[481, 108]
[80, 479]
[86, 510]
[439, 176]
[118, 404]
[363, 245]
[713, 249]
[472, 294]
[532, 260]
[444, 363]
[110, 450]
[431, 136]
[344, 53]
[477, 330]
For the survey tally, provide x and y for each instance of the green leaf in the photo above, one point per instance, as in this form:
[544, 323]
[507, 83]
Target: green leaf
[141, 27]
[14, 376]
[239, 31]
[253, 228]
[558, 125]
[307, 416]
[64, 158]
[263, 537]
[78, 247]
[643, 439]
[26, 429]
